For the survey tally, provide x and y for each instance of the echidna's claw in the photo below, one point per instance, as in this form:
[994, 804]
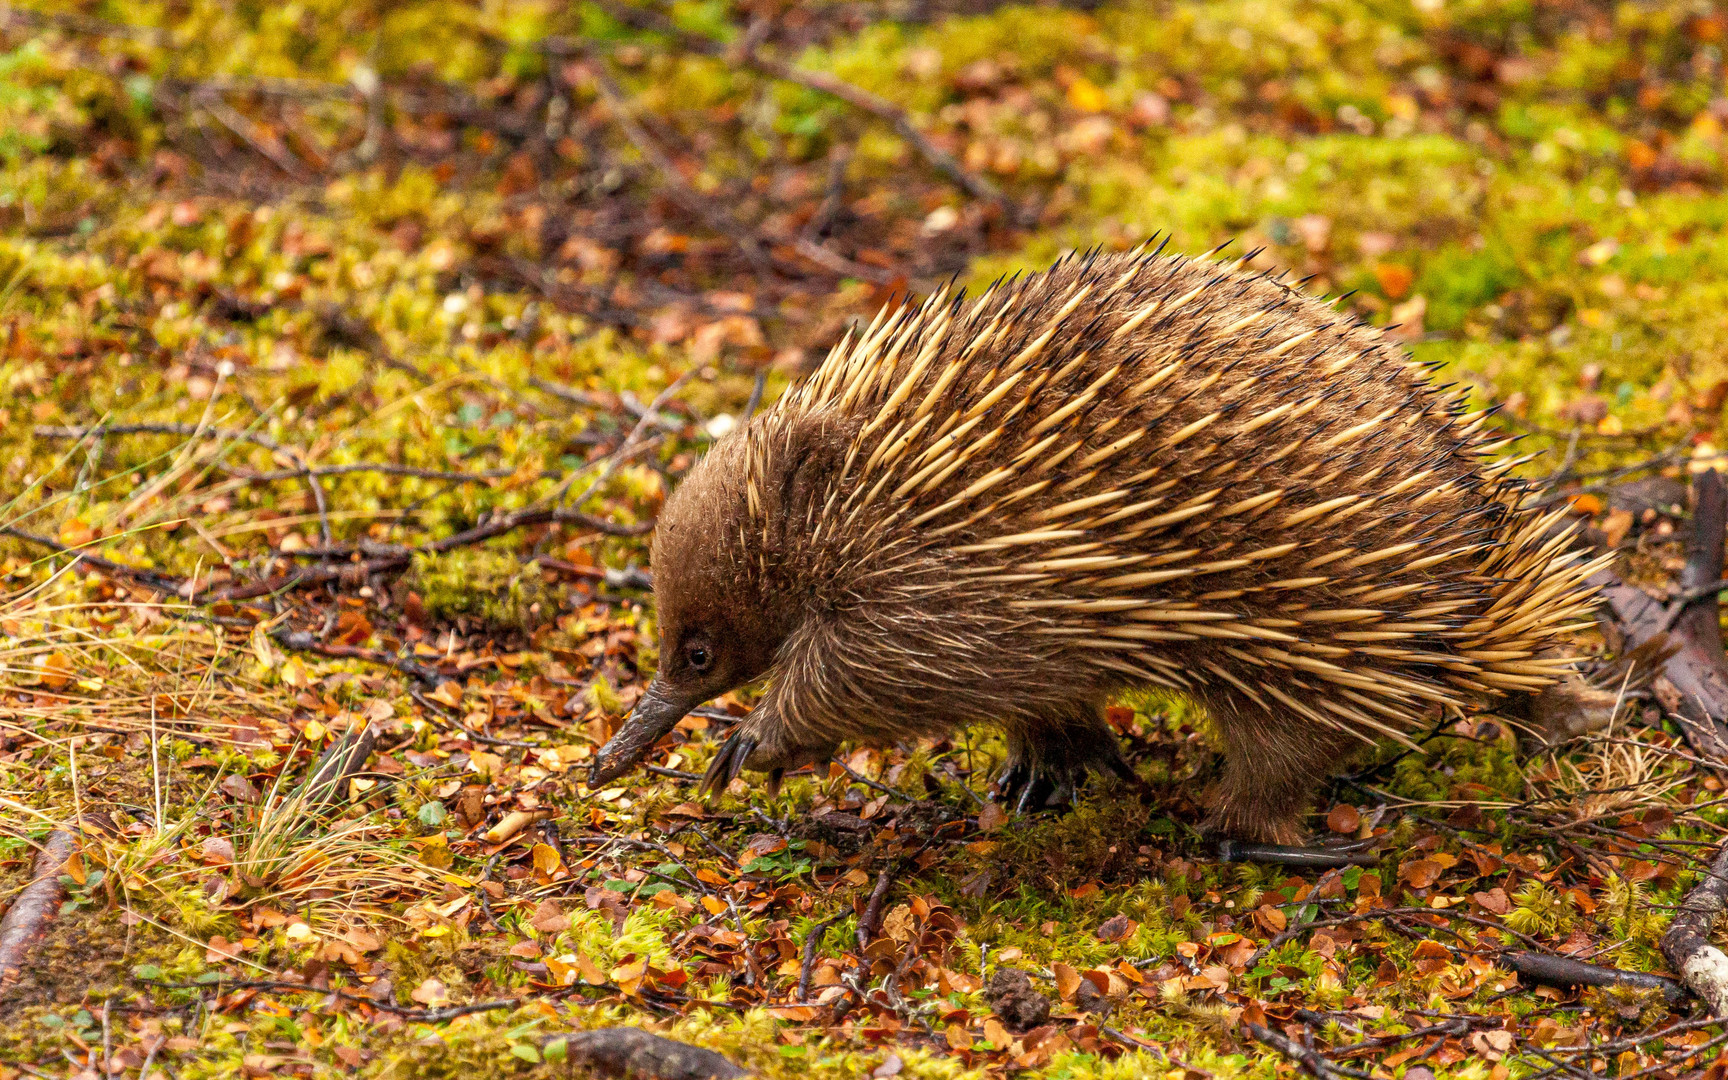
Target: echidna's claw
[1009, 782]
[774, 776]
[1037, 795]
[726, 766]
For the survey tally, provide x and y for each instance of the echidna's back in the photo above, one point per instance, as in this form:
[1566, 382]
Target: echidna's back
[1179, 472]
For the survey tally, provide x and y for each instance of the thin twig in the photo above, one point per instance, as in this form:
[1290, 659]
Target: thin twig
[113, 569]
[385, 468]
[868, 921]
[192, 431]
[262, 142]
[706, 210]
[819, 81]
[1311, 1062]
[359, 571]
[809, 963]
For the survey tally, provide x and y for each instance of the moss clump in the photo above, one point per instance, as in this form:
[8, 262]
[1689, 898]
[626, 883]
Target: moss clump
[1098, 840]
[489, 587]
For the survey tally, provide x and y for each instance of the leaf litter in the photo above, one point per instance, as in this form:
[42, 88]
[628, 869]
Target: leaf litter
[350, 382]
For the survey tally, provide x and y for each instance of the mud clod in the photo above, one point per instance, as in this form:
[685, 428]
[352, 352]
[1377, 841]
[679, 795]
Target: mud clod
[1011, 995]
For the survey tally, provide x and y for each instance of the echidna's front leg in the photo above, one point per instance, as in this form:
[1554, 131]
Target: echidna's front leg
[762, 742]
[1048, 763]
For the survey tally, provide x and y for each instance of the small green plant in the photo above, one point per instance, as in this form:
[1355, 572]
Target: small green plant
[490, 587]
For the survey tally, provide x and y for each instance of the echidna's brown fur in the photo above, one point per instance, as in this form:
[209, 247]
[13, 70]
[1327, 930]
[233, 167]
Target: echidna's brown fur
[1129, 471]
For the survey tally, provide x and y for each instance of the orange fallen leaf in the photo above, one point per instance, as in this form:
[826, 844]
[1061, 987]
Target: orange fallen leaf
[1067, 980]
[1420, 873]
[1395, 279]
[431, 993]
[1344, 818]
[547, 861]
[448, 693]
[56, 670]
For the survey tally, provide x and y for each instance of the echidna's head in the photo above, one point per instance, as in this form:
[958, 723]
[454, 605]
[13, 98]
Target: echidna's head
[720, 619]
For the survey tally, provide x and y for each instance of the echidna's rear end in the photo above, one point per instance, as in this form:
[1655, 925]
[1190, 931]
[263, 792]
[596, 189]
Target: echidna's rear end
[1127, 471]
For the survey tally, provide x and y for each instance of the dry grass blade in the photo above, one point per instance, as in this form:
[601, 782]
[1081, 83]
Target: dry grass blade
[1606, 777]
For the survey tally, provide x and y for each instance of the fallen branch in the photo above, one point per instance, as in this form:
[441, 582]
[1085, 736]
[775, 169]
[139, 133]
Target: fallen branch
[819, 81]
[303, 641]
[358, 572]
[1701, 966]
[1296, 930]
[482, 477]
[1563, 971]
[28, 917]
[1694, 683]
[261, 141]
[632, 1052]
[344, 759]
[411, 1014]
[708, 211]
[837, 263]
[189, 431]
[631, 577]
[867, 922]
[1457, 1026]
[1311, 1062]
[1312, 858]
[349, 572]
[148, 578]
[1677, 606]
[808, 964]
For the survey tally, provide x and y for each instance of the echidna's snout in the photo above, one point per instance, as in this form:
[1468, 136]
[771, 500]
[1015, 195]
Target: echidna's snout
[658, 711]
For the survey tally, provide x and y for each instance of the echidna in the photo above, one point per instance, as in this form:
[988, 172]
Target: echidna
[1129, 471]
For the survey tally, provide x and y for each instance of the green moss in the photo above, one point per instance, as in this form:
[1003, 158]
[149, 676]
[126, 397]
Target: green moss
[491, 587]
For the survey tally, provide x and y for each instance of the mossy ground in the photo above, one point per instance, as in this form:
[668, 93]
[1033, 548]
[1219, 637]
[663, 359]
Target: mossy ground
[371, 275]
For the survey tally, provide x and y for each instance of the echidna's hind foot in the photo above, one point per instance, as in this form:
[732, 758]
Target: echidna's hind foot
[1046, 767]
[1273, 763]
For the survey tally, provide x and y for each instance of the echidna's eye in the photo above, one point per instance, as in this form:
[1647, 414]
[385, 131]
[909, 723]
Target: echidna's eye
[698, 657]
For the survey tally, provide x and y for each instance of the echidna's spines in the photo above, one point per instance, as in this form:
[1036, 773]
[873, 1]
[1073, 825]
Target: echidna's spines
[1120, 437]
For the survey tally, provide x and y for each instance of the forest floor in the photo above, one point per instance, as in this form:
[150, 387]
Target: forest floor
[352, 346]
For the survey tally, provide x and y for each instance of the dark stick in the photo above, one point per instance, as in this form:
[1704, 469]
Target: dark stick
[708, 211]
[360, 571]
[414, 1015]
[343, 759]
[821, 82]
[1313, 858]
[1687, 946]
[1459, 1026]
[867, 782]
[1677, 606]
[809, 964]
[191, 431]
[756, 393]
[631, 577]
[147, 578]
[385, 468]
[356, 572]
[303, 641]
[1695, 690]
[1293, 932]
[873, 910]
[1566, 972]
[29, 914]
[1311, 1062]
